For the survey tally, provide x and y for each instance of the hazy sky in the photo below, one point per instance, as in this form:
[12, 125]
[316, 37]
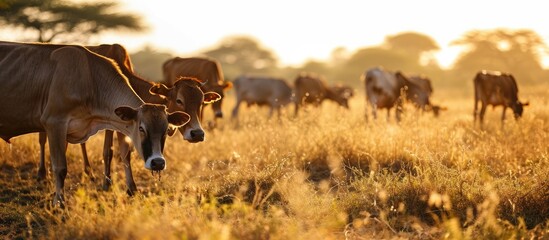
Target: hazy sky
[297, 30]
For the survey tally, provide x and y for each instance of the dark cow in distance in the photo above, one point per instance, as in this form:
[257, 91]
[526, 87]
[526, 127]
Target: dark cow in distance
[423, 82]
[71, 93]
[419, 91]
[496, 88]
[273, 92]
[185, 96]
[387, 89]
[312, 89]
[204, 69]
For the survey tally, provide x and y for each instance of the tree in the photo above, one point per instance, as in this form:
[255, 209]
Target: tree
[148, 63]
[59, 21]
[365, 58]
[514, 51]
[243, 55]
[414, 45]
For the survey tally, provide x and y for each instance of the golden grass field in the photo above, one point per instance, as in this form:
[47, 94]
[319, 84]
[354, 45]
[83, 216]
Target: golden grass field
[327, 174]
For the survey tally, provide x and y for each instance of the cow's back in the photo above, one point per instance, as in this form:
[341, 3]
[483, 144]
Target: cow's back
[262, 90]
[309, 89]
[207, 70]
[423, 82]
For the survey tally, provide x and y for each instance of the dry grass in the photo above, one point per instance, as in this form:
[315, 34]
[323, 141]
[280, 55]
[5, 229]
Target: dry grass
[325, 175]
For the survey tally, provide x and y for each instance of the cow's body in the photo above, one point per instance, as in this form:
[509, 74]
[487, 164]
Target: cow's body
[313, 90]
[423, 82]
[386, 89]
[496, 88]
[204, 69]
[383, 90]
[71, 93]
[419, 90]
[189, 93]
[272, 92]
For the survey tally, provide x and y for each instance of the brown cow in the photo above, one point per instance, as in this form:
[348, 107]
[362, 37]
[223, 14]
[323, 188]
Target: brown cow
[205, 69]
[71, 93]
[273, 92]
[185, 95]
[310, 89]
[496, 88]
[386, 89]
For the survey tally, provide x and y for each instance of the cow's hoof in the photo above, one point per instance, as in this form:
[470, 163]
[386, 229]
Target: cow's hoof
[107, 185]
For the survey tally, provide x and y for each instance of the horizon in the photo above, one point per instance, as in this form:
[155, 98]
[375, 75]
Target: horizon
[344, 28]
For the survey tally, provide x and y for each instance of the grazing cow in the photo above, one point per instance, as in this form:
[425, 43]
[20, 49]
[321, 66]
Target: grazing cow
[386, 89]
[423, 82]
[71, 93]
[419, 91]
[313, 90]
[205, 69]
[185, 95]
[496, 88]
[273, 92]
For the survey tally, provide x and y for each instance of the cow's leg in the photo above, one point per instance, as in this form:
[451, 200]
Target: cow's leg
[57, 137]
[271, 110]
[482, 112]
[503, 114]
[235, 109]
[279, 112]
[366, 110]
[374, 111]
[398, 110]
[42, 139]
[125, 156]
[107, 159]
[87, 167]
[296, 108]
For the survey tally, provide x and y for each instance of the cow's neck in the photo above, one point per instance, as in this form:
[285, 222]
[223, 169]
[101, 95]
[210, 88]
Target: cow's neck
[142, 88]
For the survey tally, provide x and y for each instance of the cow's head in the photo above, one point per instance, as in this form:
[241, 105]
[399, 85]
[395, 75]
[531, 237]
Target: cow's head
[148, 129]
[518, 108]
[219, 88]
[341, 95]
[436, 109]
[186, 96]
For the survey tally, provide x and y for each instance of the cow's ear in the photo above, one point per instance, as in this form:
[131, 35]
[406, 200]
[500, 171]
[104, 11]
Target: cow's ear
[126, 113]
[178, 118]
[348, 93]
[211, 97]
[160, 89]
[227, 85]
[171, 130]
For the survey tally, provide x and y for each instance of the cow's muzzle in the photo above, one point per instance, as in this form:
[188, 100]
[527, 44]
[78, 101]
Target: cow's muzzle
[156, 164]
[197, 135]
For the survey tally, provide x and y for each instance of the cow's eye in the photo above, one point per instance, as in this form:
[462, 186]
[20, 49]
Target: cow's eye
[141, 129]
[179, 102]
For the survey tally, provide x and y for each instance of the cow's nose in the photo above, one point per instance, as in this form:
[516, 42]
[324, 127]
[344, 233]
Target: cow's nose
[219, 114]
[158, 164]
[197, 135]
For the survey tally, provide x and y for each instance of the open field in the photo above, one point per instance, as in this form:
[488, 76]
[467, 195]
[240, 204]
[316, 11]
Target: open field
[327, 174]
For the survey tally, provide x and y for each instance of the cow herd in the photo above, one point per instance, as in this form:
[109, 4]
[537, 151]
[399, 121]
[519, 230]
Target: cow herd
[68, 93]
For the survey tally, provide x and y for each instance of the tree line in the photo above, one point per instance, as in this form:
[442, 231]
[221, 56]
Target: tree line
[517, 51]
